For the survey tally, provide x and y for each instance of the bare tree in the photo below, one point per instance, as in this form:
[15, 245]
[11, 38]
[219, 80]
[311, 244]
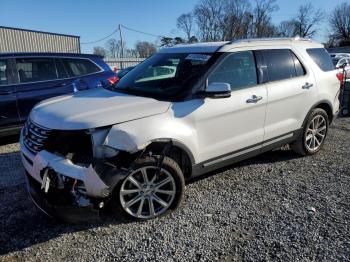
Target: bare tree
[99, 50]
[145, 49]
[307, 20]
[340, 22]
[208, 15]
[237, 19]
[304, 24]
[332, 41]
[262, 25]
[232, 19]
[131, 53]
[185, 23]
[286, 28]
[113, 47]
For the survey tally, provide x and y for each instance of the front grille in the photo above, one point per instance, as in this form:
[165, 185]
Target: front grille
[35, 136]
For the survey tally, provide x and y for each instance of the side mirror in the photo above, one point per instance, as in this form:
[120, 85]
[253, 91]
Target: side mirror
[218, 90]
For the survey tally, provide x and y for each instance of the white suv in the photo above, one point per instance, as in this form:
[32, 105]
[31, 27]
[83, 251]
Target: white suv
[133, 146]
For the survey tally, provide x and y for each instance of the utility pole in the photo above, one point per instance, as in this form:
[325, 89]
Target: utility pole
[121, 46]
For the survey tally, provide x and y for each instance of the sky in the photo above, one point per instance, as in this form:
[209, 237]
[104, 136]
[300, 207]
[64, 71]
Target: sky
[93, 19]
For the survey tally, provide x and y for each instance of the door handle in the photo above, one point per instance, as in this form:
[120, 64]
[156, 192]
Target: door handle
[5, 92]
[254, 99]
[307, 85]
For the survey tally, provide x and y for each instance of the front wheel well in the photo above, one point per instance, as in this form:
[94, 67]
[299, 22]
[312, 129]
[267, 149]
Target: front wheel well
[176, 153]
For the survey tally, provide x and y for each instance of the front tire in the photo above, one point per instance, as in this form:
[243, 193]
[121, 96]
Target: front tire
[147, 192]
[314, 133]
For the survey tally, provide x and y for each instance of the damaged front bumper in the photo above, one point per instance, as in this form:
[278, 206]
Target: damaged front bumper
[70, 212]
[63, 189]
[94, 186]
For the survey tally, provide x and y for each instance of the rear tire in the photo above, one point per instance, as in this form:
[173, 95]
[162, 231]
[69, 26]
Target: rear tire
[313, 135]
[144, 195]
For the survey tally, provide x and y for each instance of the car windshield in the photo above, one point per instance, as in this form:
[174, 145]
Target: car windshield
[166, 75]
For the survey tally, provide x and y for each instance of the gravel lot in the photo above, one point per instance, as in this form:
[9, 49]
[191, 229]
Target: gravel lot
[276, 206]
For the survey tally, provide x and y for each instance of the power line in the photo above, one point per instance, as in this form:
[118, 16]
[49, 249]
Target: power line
[104, 38]
[119, 29]
[141, 32]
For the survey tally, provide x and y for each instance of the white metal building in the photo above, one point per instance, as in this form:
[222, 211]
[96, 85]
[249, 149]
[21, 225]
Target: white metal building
[24, 40]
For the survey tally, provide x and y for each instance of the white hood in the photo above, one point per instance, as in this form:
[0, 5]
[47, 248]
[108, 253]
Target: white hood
[94, 108]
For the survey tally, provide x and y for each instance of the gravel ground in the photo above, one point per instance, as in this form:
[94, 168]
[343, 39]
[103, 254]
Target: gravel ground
[276, 206]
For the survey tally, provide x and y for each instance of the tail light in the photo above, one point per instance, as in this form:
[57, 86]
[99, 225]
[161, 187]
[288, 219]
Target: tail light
[113, 80]
[340, 77]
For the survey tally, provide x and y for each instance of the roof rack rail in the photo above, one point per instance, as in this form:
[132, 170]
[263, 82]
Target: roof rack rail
[287, 39]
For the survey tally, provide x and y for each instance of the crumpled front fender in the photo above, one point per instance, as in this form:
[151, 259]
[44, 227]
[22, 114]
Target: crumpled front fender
[136, 135]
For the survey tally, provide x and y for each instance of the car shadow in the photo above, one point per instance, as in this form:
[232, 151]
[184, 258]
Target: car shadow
[22, 225]
[274, 156]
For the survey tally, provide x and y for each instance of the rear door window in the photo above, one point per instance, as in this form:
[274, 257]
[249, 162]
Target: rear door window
[322, 58]
[237, 69]
[36, 69]
[280, 64]
[4, 72]
[79, 67]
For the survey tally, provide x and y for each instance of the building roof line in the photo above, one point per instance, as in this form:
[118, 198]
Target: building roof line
[36, 31]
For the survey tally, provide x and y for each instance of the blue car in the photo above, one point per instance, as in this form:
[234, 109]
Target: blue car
[28, 78]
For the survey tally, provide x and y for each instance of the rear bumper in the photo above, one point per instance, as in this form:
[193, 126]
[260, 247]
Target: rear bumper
[67, 213]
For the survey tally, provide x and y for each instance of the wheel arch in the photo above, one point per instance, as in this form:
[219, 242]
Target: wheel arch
[323, 104]
[178, 151]
[326, 106]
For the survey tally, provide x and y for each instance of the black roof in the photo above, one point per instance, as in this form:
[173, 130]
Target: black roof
[28, 54]
[36, 31]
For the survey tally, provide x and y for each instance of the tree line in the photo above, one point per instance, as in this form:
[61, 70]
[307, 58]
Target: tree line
[225, 20]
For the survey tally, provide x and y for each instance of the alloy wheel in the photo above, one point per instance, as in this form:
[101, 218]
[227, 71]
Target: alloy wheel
[316, 133]
[147, 192]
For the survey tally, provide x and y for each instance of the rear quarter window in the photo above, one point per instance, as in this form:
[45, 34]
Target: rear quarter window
[322, 58]
[79, 67]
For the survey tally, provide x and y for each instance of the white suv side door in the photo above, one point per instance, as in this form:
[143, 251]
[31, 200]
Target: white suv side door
[291, 91]
[235, 125]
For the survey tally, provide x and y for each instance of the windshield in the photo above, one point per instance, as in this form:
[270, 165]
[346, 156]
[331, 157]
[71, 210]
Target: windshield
[166, 75]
